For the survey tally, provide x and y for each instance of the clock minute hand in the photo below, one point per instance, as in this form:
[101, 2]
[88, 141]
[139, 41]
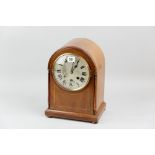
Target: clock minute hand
[76, 64]
[73, 67]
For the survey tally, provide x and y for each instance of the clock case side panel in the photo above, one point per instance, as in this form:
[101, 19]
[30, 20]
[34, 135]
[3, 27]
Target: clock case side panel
[89, 109]
[97, 56]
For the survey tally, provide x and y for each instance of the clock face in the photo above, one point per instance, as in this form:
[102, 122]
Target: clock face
[71, 72]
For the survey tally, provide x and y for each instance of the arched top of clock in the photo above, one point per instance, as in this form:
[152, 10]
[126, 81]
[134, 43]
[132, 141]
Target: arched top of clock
[90, 51]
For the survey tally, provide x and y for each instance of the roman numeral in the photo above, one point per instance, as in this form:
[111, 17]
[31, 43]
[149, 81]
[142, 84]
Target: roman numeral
[82, 67]
[70, 84]
[64, 82]
[71, 80]
[82, 79]
[84, 73]
[60, 76]
[58, 71]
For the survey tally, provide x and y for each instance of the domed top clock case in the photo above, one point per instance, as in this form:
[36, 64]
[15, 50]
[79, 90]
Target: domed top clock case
[76, 81]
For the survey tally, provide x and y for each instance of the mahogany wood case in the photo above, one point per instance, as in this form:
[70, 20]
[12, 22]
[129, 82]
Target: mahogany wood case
[88, 103]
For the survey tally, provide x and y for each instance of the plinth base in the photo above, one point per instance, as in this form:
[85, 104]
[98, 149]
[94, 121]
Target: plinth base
[77, 116]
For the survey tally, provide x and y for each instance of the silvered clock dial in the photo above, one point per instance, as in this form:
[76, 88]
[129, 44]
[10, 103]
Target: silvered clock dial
[71, 72]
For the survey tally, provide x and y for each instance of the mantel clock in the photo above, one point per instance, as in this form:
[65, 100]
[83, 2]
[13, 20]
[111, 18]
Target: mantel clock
[76, 81]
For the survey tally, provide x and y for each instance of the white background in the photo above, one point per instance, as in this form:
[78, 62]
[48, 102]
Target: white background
[129, 84]
[77, 13]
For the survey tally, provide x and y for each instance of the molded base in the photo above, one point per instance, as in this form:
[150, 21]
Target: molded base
[77, 116]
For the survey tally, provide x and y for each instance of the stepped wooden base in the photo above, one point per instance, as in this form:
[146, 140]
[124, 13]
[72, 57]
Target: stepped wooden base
[77, 116]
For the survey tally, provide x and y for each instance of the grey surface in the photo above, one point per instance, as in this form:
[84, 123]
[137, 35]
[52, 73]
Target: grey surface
[130, 75]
